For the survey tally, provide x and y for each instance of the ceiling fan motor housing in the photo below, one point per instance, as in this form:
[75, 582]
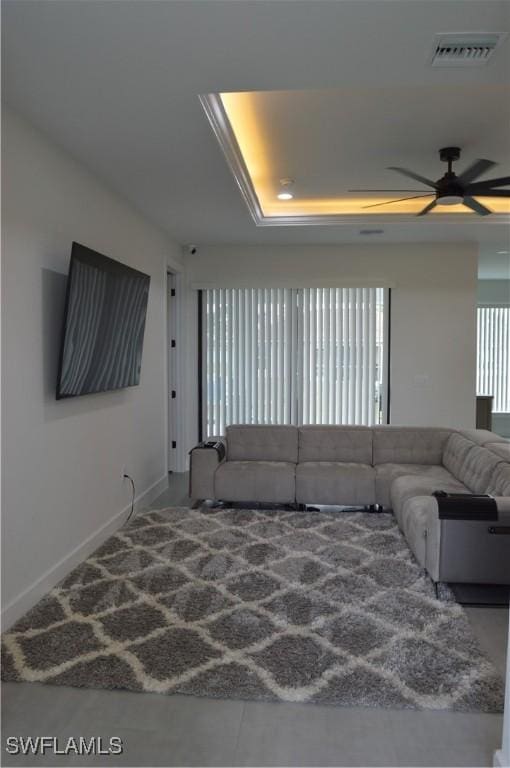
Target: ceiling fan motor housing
[449, 191]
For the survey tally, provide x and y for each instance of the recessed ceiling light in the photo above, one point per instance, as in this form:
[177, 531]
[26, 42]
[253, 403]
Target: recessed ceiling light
[500, 253]
[285, 192]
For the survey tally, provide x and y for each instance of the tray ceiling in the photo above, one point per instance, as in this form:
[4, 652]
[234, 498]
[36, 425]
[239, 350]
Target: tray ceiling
[332, 141]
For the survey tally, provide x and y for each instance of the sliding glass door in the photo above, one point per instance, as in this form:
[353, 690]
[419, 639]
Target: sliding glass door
[293, 356]
[493, 356]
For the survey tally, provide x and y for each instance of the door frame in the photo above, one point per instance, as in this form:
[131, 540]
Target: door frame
[171, 371]
[175, 458]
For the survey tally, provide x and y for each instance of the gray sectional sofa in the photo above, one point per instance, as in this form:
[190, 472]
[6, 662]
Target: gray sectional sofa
[396, 468]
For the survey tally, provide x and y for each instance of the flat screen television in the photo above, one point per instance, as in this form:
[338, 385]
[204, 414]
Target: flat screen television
[104, 323]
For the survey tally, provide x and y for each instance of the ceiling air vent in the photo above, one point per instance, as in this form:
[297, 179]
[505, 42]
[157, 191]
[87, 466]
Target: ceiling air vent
[465, 50]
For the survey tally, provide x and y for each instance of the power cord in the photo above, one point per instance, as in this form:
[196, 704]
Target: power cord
[128, 477]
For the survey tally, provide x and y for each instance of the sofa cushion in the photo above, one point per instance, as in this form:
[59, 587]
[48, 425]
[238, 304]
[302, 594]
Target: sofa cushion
[481, 436]
[499, 484]
[407, 486]
[477, 469]
[334, 443]
[338, 483]
[385, 474]
[500, 449]
[455, 452]
[409, 445]
[255, 481]
[262, 443]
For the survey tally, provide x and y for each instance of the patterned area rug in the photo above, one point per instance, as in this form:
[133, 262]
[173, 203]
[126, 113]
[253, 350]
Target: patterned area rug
[282, 605]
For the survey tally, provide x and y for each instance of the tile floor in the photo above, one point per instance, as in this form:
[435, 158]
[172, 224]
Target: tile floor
[192, 731]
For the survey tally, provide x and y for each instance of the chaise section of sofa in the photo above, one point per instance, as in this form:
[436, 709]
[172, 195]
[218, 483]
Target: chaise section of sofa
[469, 550]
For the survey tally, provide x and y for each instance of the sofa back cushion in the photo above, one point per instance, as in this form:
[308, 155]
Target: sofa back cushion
[481, 436]
[479, 468]
[500, 449]
[471, 464]
[253, 442]
[409, 445]
[499, 484]
[334, 443]
[455, 452]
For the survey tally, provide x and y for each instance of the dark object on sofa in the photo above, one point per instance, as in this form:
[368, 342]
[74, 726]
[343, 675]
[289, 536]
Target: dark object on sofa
[465, 506]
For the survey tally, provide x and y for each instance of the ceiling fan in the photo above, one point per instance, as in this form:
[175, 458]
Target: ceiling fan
[451, 189]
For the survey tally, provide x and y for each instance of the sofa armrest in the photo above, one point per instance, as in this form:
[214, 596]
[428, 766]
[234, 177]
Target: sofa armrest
[449, 549]
[503, 505]
[203, 464]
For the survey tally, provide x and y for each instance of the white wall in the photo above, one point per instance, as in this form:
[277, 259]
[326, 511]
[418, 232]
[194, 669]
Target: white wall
[433, 321]
[62, 461]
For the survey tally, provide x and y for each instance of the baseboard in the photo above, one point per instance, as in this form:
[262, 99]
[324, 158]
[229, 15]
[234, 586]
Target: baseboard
[32, 594]
[151, 493]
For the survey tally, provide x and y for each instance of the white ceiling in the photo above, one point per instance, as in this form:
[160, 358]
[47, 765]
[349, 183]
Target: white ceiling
[117, 85]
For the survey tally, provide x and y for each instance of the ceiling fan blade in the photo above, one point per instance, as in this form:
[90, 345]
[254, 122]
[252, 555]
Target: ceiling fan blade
[503, 181]
[385, 190]
[413, 175]
[427, 208]
[400, 200]
[475, 206]
[475, 170]
[486, 192]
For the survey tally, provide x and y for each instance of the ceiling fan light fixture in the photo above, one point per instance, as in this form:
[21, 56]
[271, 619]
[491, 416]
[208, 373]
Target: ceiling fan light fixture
[286, 189]
[450, 200]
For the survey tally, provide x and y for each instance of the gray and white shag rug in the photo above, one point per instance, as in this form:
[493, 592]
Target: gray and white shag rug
[257, 604]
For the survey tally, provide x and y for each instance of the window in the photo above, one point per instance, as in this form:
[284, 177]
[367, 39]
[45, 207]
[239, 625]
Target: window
[493, 352]
[292, 356]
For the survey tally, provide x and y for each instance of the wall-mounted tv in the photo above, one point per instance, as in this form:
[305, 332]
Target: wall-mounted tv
[104, 323]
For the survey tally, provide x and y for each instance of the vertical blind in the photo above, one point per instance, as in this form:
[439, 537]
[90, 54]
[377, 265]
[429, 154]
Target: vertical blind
[293, 356]
[493, 355]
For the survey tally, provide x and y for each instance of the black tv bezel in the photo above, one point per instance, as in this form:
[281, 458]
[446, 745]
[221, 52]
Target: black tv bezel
[111, 265]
